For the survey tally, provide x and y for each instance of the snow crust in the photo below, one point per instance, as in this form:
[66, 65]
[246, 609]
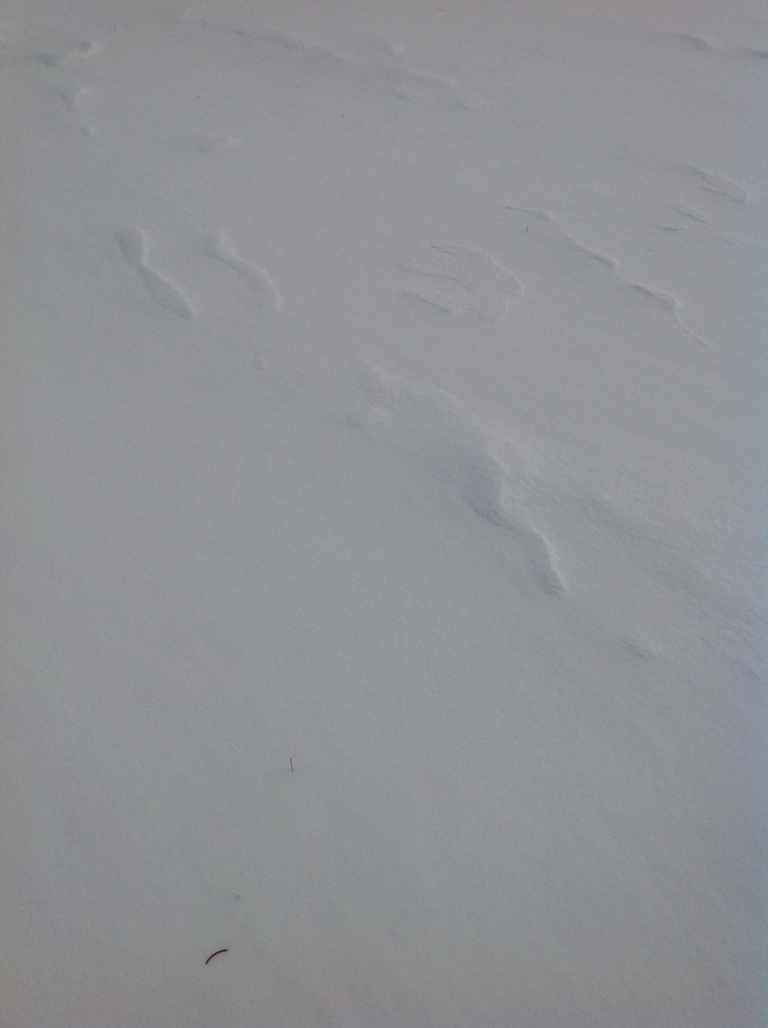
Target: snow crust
[383, 507]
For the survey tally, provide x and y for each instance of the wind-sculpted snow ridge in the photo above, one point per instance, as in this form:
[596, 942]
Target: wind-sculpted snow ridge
[535, 228]
[56, 64]
[459, 280]
[686, 41]
[134, 246]
[719, 185]
[474, 464]
[404, 82]
[14, 48]
[220, 247]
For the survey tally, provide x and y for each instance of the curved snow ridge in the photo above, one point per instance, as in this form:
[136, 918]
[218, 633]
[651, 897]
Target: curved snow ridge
[539, 226]
[405, 82]
[72, 98]
[670, 305]
[18, 48]
[720, 185]
[490, 493]
[756, 52]
[134, 245]
[689, 41]
[689, 219]
[220, 247]
[490, 471]
[461, 280]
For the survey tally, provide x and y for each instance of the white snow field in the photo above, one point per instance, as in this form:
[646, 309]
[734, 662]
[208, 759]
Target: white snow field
[384, 444]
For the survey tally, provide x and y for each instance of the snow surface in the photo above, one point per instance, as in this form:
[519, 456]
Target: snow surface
[383, 458]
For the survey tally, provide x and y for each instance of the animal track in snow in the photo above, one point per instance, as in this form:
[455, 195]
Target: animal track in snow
[220, 247]
[461, 279]
[488, 471]
[134, 246]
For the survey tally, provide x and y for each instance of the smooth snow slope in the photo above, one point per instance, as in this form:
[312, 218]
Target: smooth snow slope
[382, 395]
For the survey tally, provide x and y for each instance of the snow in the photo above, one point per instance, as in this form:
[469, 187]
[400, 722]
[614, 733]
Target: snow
[383, 446]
